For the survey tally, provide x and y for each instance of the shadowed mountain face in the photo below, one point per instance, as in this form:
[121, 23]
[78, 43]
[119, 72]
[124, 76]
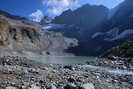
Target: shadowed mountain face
[22, 35]
[124, 12]
[79, 24]
[97, 28]
[119, 27]
[85, 17]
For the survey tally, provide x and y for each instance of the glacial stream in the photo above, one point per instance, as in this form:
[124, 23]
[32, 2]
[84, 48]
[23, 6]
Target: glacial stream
[79, 60]
[109, 70]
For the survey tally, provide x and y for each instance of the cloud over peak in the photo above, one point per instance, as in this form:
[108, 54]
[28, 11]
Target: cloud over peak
[56, 7]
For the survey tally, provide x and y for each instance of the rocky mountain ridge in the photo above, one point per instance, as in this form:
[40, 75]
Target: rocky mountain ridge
[11, 16]
[79, 24]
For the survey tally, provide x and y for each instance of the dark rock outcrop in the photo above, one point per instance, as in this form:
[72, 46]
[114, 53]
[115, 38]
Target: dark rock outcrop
[124, 50]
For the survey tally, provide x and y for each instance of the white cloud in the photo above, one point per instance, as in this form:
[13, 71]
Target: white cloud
[37, 15]
[56, 7]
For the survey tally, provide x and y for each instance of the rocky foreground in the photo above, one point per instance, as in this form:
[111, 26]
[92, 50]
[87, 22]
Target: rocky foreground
[21, 73]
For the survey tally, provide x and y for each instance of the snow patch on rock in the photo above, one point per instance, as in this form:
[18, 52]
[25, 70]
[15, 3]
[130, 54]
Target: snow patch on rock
[124, 34]
[113, 34]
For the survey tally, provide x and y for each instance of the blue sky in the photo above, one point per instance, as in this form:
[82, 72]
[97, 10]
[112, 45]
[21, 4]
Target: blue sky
[35, 9]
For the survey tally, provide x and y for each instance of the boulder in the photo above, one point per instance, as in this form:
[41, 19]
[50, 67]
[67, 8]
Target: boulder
[88, 86]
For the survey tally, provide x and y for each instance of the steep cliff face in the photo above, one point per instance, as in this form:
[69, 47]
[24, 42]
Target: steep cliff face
[3, 31]
[23, 35]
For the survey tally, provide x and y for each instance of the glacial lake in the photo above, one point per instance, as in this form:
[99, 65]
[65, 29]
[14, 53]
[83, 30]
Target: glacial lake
[62, 59]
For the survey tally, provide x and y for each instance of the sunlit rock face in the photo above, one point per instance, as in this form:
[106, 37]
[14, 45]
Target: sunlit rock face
[3, 31]
[23, 35]
[17, 36]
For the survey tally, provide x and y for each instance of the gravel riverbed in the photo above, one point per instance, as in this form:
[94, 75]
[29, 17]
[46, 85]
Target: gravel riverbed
[21, 73]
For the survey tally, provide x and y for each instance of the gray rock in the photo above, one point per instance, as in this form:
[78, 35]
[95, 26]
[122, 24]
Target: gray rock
[34, 87]
[10, 87]
[53, 87]
[88, 86]
[70, 86]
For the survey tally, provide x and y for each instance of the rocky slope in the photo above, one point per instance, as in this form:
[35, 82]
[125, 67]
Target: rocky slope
[22, 35]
